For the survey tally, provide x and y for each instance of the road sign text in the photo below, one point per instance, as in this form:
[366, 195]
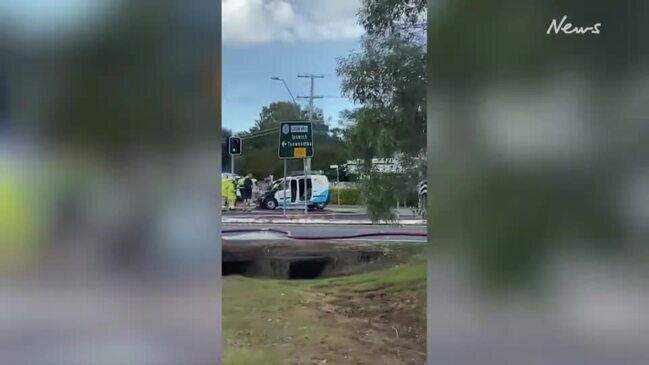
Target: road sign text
[295, 140]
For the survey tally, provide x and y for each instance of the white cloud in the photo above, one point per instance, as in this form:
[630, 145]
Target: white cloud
[246, 22]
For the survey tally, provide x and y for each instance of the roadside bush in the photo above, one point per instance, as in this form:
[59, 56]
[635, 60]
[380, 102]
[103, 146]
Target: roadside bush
[379, 191]
[347, 196]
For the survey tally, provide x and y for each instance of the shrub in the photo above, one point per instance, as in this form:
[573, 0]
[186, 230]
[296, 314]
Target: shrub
[347, 196]
[379, 191]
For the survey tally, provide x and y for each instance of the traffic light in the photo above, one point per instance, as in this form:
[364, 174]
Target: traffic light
[234, 145]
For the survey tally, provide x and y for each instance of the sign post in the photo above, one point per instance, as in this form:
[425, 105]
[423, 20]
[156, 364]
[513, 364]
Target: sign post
[296, 142]
[284, 183]
[337, 180]
[306, 196]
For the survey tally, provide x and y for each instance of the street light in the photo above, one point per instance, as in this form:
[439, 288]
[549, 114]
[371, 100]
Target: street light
[296, 104]
[287, 89]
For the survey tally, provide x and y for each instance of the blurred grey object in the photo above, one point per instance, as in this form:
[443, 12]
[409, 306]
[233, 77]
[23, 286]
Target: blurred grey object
[538, 206]
[109, 230]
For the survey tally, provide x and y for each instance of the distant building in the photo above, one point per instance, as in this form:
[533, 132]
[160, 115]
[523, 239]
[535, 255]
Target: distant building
[385, 165]
[381, 165]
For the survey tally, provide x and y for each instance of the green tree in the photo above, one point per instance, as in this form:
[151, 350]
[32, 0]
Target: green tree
[260, 142]
[260, 155]
[388, 78]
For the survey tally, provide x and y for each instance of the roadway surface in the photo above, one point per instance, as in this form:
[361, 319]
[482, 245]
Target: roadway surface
[392, 233]
[349, 212]
[300, 209]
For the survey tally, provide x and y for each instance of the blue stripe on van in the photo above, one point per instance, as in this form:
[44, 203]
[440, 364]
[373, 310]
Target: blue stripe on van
[321, 198]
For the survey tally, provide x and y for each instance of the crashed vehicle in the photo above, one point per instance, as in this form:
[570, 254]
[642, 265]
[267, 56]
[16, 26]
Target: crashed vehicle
[317, 193]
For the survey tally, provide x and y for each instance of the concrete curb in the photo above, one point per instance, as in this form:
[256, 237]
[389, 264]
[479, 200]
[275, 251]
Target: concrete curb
[403, 222]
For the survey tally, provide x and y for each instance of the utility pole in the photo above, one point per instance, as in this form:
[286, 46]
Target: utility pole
[310, 97]
[307, 161]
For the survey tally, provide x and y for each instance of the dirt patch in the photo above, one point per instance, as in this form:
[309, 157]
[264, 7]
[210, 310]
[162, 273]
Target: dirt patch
[384, 327]
[374, 318]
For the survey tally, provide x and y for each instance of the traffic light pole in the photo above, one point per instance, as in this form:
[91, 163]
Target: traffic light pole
[232, 150]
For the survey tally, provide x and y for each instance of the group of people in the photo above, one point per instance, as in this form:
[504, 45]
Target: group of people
[229, 188]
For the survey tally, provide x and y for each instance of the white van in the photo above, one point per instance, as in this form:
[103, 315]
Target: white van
[317, 187]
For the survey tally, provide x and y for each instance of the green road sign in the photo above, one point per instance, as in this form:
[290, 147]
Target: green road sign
[295, 140]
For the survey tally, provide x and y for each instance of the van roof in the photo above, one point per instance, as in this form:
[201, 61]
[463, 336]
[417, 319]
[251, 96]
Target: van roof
[301, 173]
[299, 176]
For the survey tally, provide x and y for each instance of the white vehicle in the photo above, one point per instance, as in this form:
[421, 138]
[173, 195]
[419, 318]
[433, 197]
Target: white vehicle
[317, 196]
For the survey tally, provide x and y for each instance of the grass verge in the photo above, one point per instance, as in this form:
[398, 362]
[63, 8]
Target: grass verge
[371, 318]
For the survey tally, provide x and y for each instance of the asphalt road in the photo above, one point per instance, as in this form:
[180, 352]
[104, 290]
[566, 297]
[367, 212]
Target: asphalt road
[344, 212]
[292, 212]
[314, 230]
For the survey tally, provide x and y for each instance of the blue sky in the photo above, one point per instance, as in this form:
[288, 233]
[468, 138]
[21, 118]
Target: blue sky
[247, 86]
[282, 38]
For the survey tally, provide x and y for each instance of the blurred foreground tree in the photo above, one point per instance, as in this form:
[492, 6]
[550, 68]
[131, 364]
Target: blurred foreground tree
[128, 87]
[509, 210]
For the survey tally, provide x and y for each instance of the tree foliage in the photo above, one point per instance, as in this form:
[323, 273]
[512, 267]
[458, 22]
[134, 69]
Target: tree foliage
[388, 78]
[384, 18]
[260, 150]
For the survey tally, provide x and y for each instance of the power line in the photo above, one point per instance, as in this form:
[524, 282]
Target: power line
[265, 132]
[262, 133]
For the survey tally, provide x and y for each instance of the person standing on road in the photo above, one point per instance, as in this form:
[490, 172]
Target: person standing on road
[229, 193]
[246, 193]
[224, 192]
[255, 192]
[239, 185]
